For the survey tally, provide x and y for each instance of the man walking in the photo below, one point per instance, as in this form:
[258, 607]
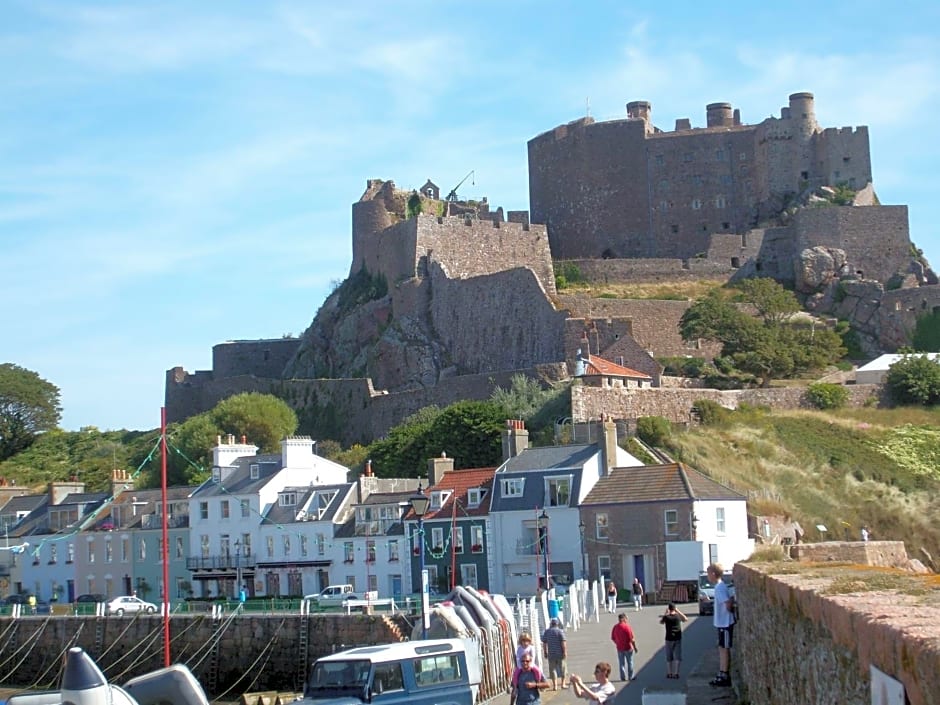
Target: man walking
[673, 619]
[625, 641]
[527, 683]
[555, 650]
[637, 594]
[724, 623]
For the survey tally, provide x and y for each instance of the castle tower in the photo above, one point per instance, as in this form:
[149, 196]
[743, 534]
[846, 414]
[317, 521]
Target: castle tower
[641, 110]
[803, 114]
[719, 115]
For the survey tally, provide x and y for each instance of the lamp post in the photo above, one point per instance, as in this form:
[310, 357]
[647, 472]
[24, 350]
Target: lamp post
[419, 505]
[543, 537]
[238, 568]
[694, 527]
[583, 556]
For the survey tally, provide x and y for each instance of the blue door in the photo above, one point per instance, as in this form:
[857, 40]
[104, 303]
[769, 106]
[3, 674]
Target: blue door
[638, 571]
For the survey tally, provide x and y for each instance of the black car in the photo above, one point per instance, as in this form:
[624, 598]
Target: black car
[92, 597]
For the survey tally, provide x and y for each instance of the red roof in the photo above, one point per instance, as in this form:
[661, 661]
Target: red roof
[459, 481]
[595, 365]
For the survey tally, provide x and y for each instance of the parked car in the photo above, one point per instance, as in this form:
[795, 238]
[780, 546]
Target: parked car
[706, 592]
[333, 595]
[130, 605]
[92, 597]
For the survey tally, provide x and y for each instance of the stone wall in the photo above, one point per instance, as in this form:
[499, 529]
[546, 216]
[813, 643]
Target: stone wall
[125, 648]
[261, 358]
[795, 643]
[675, 404]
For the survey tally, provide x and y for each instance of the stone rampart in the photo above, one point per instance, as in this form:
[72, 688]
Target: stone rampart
[125, 647]
[805, 635]
[262, 358]
[675, 404]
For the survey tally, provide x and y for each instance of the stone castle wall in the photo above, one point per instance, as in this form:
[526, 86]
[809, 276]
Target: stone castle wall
[796, 644]
[132, 647]
[262, 358]
[675, 404]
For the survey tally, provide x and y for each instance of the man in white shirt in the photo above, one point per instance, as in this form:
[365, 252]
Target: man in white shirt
[724, 623]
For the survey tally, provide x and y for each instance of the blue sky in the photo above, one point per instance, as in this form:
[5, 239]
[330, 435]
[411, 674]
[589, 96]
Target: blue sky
[177, 174]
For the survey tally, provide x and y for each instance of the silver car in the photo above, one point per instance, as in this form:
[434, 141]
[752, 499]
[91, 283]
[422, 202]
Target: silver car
[130, 605]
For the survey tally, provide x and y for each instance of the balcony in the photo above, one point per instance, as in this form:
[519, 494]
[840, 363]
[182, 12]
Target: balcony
[223, 562]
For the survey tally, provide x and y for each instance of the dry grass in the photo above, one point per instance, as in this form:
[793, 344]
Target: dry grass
[682, 291]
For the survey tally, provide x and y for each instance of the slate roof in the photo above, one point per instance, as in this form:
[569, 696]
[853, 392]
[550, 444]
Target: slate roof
[594, 365]
[288, 515]
[657, 483]
[239, 481]
[549, 457]
[534, 464]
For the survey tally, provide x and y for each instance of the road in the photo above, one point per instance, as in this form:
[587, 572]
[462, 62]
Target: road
[591, 643]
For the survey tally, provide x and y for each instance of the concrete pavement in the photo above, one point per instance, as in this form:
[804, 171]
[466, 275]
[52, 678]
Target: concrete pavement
[591, 643]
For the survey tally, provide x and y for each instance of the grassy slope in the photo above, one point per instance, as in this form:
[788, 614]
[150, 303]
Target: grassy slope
[845, 469]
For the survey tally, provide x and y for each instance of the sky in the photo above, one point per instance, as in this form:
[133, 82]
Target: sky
[176, 174]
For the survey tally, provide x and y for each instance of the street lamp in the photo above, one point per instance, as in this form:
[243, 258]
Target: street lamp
[238, 568]
[694, 526]
[419, 505]
[543, 537]
[583, 556]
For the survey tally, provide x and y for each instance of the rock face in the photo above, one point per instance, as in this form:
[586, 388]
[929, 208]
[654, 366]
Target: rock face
[818, 267]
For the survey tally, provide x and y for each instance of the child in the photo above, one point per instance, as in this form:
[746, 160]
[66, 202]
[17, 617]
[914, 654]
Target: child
[524, 648]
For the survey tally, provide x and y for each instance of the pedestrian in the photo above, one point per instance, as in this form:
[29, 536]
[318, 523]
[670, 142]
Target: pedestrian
[611, 597]
[724, 623]
[625, 641]
[31, 601]
[555, 650]
[527, 683]
[524, 648]
[599, 691]
[637, 594]
[673, 619]
[864, 533]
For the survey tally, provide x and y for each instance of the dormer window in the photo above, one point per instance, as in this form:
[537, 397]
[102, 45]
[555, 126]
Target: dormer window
[512, 487]
[287, 499]
[557, 491]
[216, 473]
[475, 496]
[439, 498]
[254, 470]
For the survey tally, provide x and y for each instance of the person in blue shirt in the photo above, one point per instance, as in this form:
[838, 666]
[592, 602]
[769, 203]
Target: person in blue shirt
[724, 623]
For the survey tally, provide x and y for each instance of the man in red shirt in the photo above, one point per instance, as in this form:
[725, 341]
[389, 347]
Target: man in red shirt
[625, 641]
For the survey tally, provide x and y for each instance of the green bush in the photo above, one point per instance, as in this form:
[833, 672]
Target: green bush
[824, 395]
[915, 379]
[653, 430]
[712, 413]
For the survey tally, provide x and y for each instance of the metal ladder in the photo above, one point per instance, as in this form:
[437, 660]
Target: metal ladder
[304, 646]
[99, 635]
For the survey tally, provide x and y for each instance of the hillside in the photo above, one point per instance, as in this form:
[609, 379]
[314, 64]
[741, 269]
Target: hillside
[844, 469]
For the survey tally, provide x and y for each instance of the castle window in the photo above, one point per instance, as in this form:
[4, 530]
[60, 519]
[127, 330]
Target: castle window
[720, 155]
[719, 202]
[697, 179]
[659, 160]
[664, 205]
[805, 175]
[704, 227]
[664, 184]
[687, 157]
[846, 160]
[726, 226]
[674, 228]
[735, 262]
[726, 179]
[696, 204]
[837, 174]
[742, 157]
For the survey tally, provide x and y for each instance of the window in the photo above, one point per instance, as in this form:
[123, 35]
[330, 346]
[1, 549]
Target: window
[179, 547]
[558, 491]
[270, 546]
[468, 574]
[720, 520]
[671, 517]
[54, 552]
[285, 544]
[254, 470]
[437, 538]
[142, 550]
[601, 525]
[439, 498]
[393, 550]
[674, 228]
[720, 202]
[71, 553]
[720, 155]
[125, 549]
[603, 566]
[512, 487]
[458, 539]
[433, 670]
[475, 496]
[687, 157]
[303, 545]
[204, 546]
[388, 675]
[246, 508]
[696, 204]
[108, 552]
[660, 160]
[476, 539]
[348, 551]
[370, 551]
[287, 499]
[91, 552]
[742, 157]
[203, 510]
[224, 509]
[321, 544]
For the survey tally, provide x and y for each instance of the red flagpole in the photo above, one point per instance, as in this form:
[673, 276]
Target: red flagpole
[166, 543]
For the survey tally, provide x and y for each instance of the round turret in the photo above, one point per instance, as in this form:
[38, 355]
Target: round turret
[719, 115]
[639, 109]
[803, 112]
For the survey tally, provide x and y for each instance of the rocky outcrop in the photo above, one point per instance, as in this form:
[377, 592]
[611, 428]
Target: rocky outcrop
[818, 267]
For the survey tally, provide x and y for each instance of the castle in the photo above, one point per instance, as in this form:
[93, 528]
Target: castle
[461, 297]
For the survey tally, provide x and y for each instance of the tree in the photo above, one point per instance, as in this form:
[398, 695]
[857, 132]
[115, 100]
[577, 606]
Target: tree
[29, 406]
[262, 418]
[774, 304]
[915, 379]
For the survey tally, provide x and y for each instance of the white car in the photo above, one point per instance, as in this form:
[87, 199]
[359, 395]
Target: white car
[130, 605]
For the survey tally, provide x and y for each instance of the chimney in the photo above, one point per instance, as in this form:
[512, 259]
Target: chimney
[437, 467]
[609, 444]
[120, 481]
[368, 469]
[515, 438]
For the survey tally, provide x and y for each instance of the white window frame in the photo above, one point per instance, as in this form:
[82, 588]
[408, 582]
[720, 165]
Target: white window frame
[603, 566]
[254, 470]
[476, 539]
[602, 526]
[468, 574]
[671, 520]
[719, 520]
[512, 486]
[437, 538]
[475, 496]
[557, 482]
